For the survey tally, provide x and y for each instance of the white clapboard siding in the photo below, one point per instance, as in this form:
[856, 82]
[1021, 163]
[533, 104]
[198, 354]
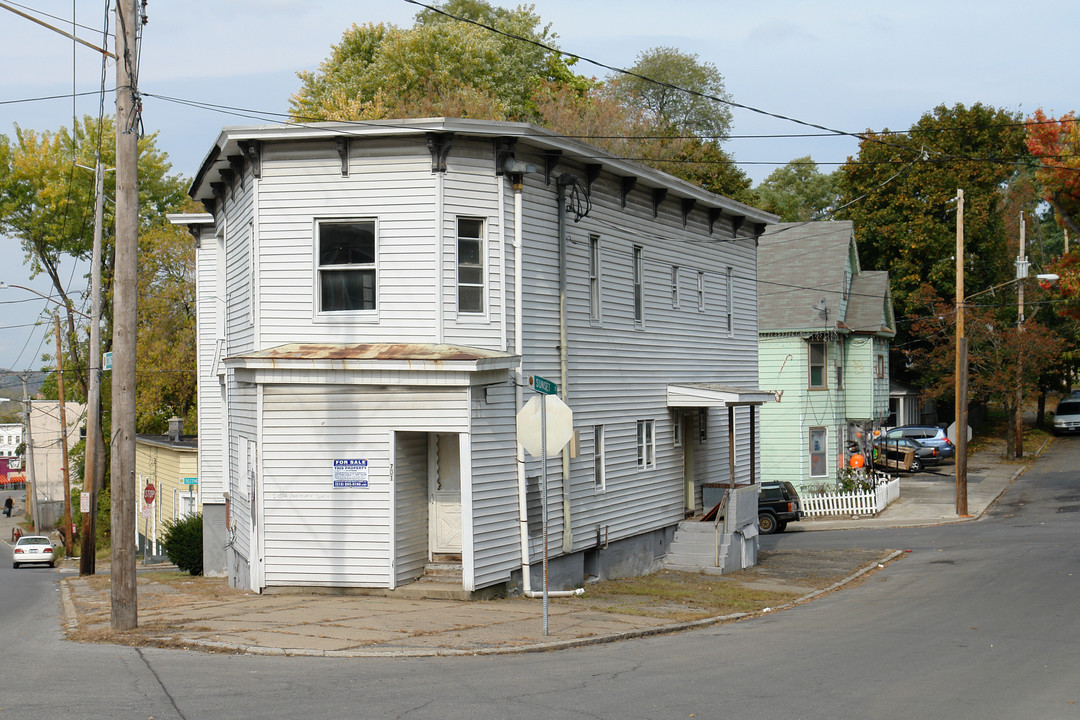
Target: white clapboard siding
[302, 183]
[496, 532]
[211, 472]
[411, 505]
[352, 547]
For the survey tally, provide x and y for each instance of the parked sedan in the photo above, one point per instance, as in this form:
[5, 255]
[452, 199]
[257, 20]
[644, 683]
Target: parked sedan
[904, 454]
[33, 549]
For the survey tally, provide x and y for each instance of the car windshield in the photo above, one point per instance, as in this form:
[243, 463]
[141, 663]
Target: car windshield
[1068, 408]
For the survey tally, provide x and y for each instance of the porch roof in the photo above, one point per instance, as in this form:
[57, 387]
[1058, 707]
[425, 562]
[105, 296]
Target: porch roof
[714, 395]
[385, 356]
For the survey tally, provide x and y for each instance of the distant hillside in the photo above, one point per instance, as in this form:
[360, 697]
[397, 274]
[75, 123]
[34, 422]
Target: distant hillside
[11, 384]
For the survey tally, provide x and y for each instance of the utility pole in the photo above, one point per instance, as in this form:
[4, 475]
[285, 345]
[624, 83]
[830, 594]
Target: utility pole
[94, 471]
[124, 606]
[63, 436]
[30, 475]
[1021, 273]
[961, 366]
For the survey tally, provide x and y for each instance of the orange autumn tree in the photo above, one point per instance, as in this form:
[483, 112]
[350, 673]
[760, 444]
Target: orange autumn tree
[1056, 145]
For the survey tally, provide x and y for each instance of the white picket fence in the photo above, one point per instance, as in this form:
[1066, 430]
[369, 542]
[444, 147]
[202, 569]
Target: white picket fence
[869, 502]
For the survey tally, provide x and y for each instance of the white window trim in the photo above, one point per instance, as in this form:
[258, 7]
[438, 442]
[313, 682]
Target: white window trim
[343, 317]
[482, 313]
[730, 310]
[596, 306]
[646, 444]
[701, 291]
[638, 284]
[675, 277]
[824, 451]
[810, 365]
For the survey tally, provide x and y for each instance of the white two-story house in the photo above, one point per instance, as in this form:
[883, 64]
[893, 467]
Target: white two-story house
[373, 299]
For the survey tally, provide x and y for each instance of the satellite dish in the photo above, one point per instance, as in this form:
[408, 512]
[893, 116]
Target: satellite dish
[822, 308]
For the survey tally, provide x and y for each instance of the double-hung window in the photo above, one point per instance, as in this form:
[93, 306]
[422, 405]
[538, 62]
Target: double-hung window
[346, 253]
[594, 278]
[701, 291]
[729, 292]
[818, 454]
[646, 444]
[599, 474]
[675, 287]
[470, 264]
[818, 381]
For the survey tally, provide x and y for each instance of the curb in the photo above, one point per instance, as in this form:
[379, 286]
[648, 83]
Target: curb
[211, 645]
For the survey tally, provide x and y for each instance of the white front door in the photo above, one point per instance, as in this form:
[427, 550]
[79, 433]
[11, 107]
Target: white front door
[444, 503]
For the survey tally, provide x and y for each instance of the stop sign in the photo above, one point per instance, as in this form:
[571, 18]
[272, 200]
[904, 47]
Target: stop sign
[149, 493]
[560, 425]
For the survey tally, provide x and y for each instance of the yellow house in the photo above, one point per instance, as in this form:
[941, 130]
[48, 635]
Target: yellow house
[166, 468]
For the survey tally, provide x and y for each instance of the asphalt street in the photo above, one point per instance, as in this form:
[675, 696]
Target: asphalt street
[977, 621]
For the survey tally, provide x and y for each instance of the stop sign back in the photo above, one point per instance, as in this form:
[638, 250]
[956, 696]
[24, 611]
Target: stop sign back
[149, 493]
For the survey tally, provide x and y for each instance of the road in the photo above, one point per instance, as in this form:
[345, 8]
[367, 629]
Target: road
[977, 621]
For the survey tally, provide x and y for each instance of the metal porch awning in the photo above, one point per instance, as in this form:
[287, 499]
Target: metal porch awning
[714, 395]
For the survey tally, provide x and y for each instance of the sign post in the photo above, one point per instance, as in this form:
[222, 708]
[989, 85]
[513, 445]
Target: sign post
[529, 432]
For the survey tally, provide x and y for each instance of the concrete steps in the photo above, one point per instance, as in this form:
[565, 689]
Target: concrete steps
[694, 548]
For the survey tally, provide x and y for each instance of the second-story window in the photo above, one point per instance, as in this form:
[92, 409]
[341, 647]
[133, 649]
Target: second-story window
[594, 278]
[675, 286]
[346, 265]
[646, 445]
[730, 300]
[701, 291]
[470, 264]
[817, 365]
[639, 285]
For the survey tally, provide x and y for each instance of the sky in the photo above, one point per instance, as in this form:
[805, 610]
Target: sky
[847, 65]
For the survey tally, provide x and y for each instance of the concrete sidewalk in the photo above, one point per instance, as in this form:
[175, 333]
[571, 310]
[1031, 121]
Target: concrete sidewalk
[204, 613]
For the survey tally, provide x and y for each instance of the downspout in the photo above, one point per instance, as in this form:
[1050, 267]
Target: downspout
[519, 383]
[564, 180]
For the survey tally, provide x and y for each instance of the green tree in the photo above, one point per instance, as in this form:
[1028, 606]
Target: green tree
[901, 187]
[440, 66]
[657, 87]
[798, 191]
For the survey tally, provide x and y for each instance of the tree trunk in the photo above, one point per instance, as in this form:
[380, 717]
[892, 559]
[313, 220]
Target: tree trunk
[1040, 413]
[1010, 428]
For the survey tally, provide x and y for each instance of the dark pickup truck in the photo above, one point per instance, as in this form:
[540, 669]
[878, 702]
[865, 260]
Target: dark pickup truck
[778, 504]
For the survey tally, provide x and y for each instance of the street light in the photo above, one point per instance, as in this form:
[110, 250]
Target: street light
[67, 305]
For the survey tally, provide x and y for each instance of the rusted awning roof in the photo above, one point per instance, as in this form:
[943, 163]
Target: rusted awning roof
[714, 395]
[402, 356]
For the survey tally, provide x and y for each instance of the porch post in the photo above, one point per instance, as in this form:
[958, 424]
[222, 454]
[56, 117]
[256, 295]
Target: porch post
[753, 445]
[731, 445]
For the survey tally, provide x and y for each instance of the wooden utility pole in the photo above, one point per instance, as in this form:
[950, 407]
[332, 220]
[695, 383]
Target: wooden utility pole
[961, 366]
[63, 436]
[94, 471]
[124, 607]
[1021, 273]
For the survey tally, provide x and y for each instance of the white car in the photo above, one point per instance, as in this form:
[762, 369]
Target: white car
[1067, 417]
[33, 549]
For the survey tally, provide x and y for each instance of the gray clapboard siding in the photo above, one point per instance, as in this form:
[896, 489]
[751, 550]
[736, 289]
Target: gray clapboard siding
[410, 503]
[211, 474]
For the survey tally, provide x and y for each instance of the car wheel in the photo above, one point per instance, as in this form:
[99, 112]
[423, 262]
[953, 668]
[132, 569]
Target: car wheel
[766, 523]
[15, 565]
[916, 465]
[781, 526]
[52, 564]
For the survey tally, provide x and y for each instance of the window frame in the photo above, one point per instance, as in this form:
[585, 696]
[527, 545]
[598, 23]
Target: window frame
[701, 291]
[823, 384]
[675, 277]
[729, 312]
[823, 453]
[638, 271]
[481, 265]
[880, 367]
[599, 459]
[319, 268]
[595, 281]
[646, 444]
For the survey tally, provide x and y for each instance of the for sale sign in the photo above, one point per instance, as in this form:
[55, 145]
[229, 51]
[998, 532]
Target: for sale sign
[351, 473]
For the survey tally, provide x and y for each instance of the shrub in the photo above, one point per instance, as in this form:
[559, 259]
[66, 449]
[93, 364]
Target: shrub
[183, 543]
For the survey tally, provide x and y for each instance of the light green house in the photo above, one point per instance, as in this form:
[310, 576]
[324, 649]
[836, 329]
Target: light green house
[824, 330]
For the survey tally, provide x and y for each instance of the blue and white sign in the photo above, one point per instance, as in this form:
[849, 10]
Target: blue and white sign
[350, 473]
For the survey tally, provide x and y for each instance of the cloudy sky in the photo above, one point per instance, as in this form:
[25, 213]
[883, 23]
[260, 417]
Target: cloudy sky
[849, 65]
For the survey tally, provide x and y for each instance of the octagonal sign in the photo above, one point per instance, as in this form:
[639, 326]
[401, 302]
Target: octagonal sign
[560, 425]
